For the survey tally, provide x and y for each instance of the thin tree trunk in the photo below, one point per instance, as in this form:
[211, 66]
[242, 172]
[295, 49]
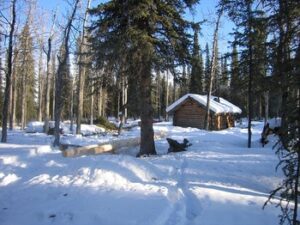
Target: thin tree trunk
[13, 96]
[297, 184]
[53, 85]
[92, 104]
[12, 116]
[174, 89]
[100, 101]
[1, 76]
[82, 72]
[212, 71]
[167, 95]
[40, 85]
[124, 98]
[48, 80]
[250, 80]
[266, 99]
[23, 101]
[9, 72]
[71, 106]
[104, 101]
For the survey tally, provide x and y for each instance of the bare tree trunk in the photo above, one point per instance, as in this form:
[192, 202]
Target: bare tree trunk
[71, 107]
[8, 73]
[124, 98]
[92, 104]
[82, 71]
[174, 88]
[212, 71]
[104, 101]
[48, 80]
[266, 99]
[62, 69]
[40, 85]
[296, 186]
[118, 96]
[12, 115]
[167, 95]
[100, 101]
[23, 101]
[250, 80]
[1, 69]
[53, 84]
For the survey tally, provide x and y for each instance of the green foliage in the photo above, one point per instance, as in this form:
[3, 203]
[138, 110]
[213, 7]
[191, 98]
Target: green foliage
[103, 122]
[24, 69]
[207, 68]
[136, 36]
[196, 82]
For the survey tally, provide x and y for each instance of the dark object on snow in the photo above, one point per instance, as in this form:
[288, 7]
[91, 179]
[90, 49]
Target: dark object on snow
[51, 131]
[267, 131]
[175, 146]
[264, 135]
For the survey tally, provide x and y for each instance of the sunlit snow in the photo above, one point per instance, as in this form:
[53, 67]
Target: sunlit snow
[217, 181]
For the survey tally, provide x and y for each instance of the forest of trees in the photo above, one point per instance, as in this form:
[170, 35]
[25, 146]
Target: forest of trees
[136, 57]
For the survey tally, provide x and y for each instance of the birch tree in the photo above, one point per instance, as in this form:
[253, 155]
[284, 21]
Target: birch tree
[6, 103]
[212, 70]
[82, 70]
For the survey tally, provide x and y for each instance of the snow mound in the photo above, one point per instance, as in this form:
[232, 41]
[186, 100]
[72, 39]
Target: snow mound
[35, 127]
[87, 130]
[8, 179]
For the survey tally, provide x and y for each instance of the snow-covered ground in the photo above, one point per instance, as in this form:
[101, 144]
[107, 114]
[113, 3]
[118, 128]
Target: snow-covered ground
[217, 181]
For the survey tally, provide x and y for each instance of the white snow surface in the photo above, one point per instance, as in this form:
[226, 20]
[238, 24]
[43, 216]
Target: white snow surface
[218, 180]
[86, 130]
[223, 106]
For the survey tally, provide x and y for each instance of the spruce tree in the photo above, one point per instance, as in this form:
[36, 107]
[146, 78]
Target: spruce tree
[235, 81]
[282, 22]
[196, 82]
[207, 68]
[26, 82]
[243, 14]
[62, 74]
[141, 32]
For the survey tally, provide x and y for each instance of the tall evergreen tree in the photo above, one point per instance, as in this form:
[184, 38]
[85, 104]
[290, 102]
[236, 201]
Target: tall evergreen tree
[224, 78]
[235, 81]
[207, 68]
[243, 14]
[141, 32]
[283, 22]
[26, 82]
[196, 82]
[62, 73]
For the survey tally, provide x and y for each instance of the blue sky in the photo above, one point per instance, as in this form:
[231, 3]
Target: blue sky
[204, 10]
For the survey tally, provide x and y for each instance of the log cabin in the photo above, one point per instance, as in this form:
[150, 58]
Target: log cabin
[190, 110]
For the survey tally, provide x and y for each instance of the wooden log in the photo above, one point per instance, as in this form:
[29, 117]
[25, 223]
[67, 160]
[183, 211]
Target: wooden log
[108, 147]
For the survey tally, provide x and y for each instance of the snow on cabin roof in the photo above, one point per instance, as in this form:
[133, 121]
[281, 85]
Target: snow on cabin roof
[221, 106]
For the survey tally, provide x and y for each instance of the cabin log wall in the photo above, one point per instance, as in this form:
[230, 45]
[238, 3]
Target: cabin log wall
[191, 114]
